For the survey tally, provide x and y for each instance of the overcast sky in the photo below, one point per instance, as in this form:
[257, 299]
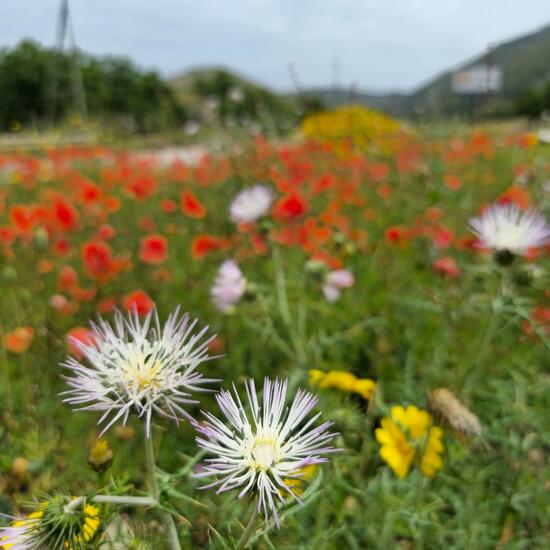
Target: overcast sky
[374, 44]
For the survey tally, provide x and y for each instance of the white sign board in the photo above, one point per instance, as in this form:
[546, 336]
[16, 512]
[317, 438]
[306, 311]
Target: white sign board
[481, 79]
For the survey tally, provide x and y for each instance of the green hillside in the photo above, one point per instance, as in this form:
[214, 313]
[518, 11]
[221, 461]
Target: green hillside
[525, 62]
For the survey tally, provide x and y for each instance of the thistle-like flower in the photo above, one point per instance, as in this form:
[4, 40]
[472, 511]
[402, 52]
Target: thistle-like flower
[251, 204]
[139, 367]
[53, 526]
[504, 228]
[229, 286]
[262, 450]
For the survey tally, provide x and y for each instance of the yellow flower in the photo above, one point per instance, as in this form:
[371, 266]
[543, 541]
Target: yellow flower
[365, 387]
[407, 436]
[90, 525]
[315, 376]
[343, 381]
[100, 456]
[339, 380]
[363, 128]
[295, 484]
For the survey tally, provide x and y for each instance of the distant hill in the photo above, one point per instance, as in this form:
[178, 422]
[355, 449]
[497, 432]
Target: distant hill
[525, 62]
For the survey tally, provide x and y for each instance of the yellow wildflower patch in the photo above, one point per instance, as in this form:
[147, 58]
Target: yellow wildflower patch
[409, 437]
[343, 381]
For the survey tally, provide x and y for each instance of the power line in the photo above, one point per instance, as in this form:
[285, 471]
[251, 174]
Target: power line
[65, 30]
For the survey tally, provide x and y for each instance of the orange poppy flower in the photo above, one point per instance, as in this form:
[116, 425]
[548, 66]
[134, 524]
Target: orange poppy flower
[191, 206]
[154, 249]
[138, 300]
[203, 245]
[19, 340]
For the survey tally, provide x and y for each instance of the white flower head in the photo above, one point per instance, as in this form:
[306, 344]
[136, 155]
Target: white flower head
[258, 451]
[251, 204]
[504, 227]
[335, 281]
[137, 366]
[229, 286]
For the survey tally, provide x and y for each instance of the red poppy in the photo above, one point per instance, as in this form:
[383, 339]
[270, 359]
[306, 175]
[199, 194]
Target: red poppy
[168, 205]
[452, 182]
[516, 195]
[83, 294]
[67, 277]
[138, 300]
[106, 232]
[447, 266]
[142, 186]
[106, 305]
[395, 234]
[65, 214]
[442, 237]
[89, 192]
[75, 335]
[191, 206]
[62, 247]
[289, 207]
[203, 245]
[384, 191]
[98, 259]
[154, 249]
[22, 217]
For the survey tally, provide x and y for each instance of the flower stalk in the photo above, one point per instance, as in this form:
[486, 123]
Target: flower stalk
[247, 533]
[167, 517]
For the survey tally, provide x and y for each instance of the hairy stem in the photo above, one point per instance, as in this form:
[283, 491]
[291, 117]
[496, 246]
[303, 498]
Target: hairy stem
[168, 519]
[247, 533]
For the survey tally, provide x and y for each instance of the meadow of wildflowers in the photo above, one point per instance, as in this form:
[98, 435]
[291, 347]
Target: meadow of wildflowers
[330, 342]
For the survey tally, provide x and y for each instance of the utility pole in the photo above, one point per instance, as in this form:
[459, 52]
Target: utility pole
[65, 29]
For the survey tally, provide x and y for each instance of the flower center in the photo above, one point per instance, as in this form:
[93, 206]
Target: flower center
[264, 453]
[143, 374]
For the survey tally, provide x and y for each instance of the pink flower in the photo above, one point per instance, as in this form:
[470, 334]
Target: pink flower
[447, 266]
[335, 281]
[228, 287]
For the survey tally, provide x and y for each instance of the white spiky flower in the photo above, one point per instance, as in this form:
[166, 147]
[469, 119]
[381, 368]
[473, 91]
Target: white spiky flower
[137, 366]
[251, 204]
[504, 227]
[259, 452]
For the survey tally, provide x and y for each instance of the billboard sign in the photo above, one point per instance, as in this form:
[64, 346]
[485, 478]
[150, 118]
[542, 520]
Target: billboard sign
[481, 79]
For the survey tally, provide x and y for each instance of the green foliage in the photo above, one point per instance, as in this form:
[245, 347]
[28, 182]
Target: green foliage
[116, 91]
[533, 102]
[234, 100]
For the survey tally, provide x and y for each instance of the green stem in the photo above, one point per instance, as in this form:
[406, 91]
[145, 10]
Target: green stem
[168, 519]
[247, 533]
[298, 344]
[485, 339]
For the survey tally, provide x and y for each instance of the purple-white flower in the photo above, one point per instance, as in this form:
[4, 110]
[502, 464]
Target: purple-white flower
[251, 204]
[139, 367]
[335, 281]
[504, 227]
[229, 286]
[257, 451]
